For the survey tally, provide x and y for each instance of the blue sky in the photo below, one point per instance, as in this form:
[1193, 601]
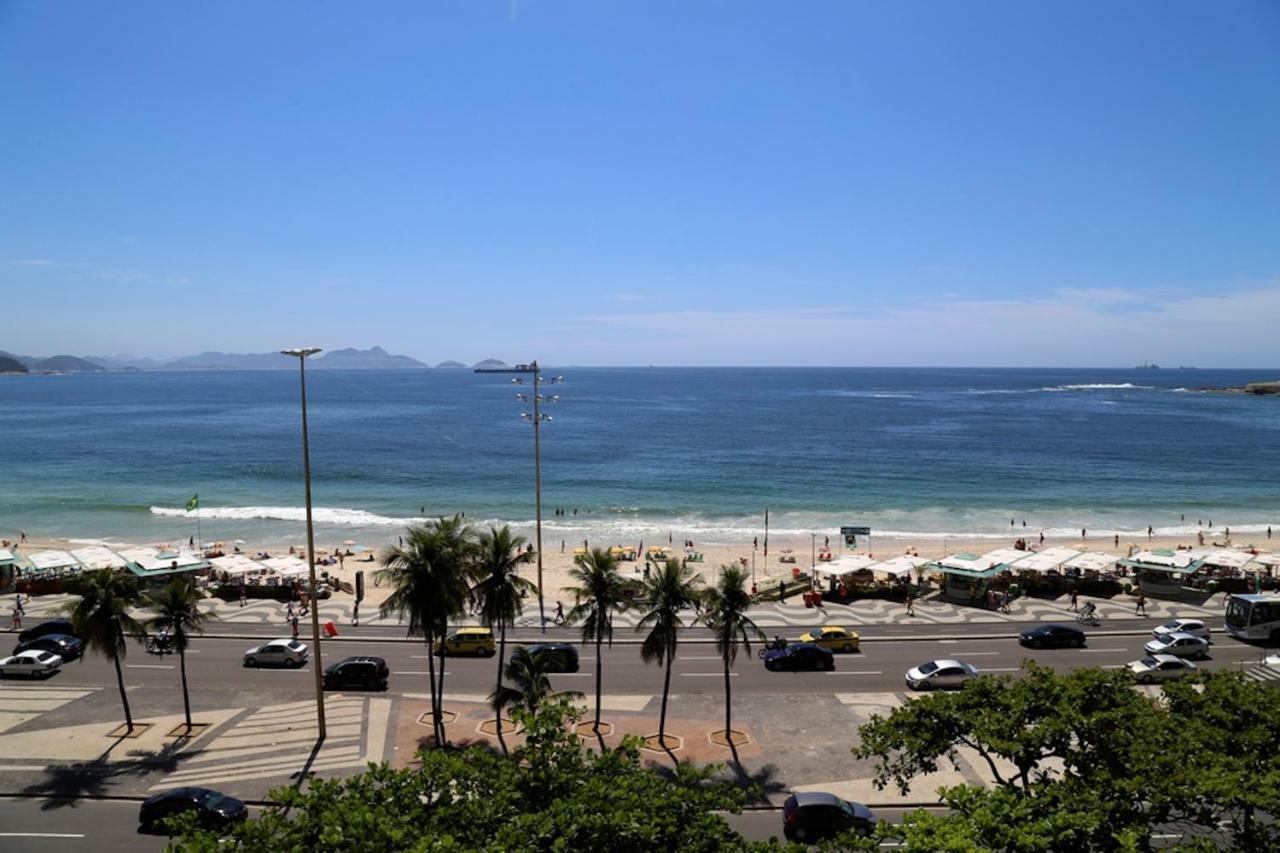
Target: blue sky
[631, 183]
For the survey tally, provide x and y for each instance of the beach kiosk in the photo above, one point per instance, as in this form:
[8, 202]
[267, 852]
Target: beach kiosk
[95, 557]
[966, 577]
[8, 562]
[52, 566]
[1163, 573]
[153, 564]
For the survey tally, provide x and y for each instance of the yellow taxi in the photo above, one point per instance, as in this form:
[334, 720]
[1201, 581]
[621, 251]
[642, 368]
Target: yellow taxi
[833, 637]
[469, 641]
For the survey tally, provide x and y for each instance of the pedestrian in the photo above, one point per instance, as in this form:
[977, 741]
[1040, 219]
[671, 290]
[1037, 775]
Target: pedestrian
[1004, 601]
[1082, 534]
[1117, 540]
[16, 617]
[911, 604]
[1150, 531]
[559, 612]
[288, 611]
[242, 595]
[1141, 605]
[1041, 537]
[294, 623]
[1075, 600]
[1268, 531]
[22, 536]
[561, 546]
[355, 615]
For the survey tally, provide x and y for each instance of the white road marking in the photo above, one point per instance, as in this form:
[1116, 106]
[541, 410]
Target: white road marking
[998, 669]
[148, 666]
[414, 672]
[706, 674]
[700, 657]
[976, 654]
[857, 672]
[1099, 651]
[41, 835]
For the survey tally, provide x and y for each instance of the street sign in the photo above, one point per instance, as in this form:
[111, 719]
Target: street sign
[855, 531]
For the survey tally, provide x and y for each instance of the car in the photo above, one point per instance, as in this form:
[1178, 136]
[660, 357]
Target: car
[1160, 668]
[34, 663]
[363, 671]
[64, 646]
[1052, 637]
[1180, 644]
[555, 657]
[1272, 661]
[940, 673]
[469, 641]
[52, 626]
[284, 652]
[815, 816]
[214, 810]
[1194, 627]
[833, 637]
[800, 656]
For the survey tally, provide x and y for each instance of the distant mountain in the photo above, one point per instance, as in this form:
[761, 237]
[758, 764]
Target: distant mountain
[489, 363]
[451, 365]
[11, 365]
[367, 359]
[230, 361]
[124, 361]
[26, 361]
[68, 364]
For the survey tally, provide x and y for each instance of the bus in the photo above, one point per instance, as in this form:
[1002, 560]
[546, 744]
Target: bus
[1254, 617]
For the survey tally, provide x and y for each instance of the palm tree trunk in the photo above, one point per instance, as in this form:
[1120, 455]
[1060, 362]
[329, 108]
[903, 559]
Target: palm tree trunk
[502, 656]
[431, 674]
[599, 684]
[728, 703]
[182, 668]
[444, 632]
[128, 717]
[666, 691]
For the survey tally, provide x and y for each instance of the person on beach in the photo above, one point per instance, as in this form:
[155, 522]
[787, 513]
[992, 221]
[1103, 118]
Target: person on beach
[1141, 607]
[1117, 540]
[1150, 532]
[22, 537]
[1268, 531]
[1082, 534]
[1075, 601]
[1200, 537]
[1041, 537]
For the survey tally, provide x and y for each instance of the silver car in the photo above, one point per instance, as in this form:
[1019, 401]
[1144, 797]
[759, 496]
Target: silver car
[33, 663]
[1149, 670]
[287, 653]
[1181, 644]
[940, 673]
[1194, 627]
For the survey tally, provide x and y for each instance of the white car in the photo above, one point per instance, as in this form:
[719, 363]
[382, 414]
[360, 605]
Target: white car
[34, 663]
[1149, 670]
[1194, 627]
[1180, 644]
[940, 673]
[1272, 661]
[286, 652]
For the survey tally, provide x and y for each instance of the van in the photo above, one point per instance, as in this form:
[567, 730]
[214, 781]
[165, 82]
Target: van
[477, 642]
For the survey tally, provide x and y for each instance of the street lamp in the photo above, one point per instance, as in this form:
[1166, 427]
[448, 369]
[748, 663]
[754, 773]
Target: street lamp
[301, 354]
[537, 418]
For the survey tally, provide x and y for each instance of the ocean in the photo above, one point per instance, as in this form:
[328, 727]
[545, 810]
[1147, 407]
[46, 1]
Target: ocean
[640, 453]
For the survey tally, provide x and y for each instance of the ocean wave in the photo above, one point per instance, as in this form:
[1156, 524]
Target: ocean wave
[321, 515]
[1100, 386]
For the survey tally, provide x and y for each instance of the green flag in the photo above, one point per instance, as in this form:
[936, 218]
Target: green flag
[193, 503]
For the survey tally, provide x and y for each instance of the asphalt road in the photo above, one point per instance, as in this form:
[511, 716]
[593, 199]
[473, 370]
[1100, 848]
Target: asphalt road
[215, 665]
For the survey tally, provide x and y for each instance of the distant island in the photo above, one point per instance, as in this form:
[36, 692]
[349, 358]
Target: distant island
[451, 365]
[374, 358]
[1261, 389]
[12, 365]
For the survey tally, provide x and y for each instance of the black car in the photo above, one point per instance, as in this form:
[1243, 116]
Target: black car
[214, 810]
[53, 626]
[555, 657]
[1052, 637]
[800, 656]
[815, 816]
[365, 672]
[63, 645]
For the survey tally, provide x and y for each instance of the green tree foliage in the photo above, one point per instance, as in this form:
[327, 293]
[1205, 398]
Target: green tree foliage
[499, 590]
[551, 794]
[101, 618]
[530, 685]
[670, 589]
[600, 592]
[726, 615]
[176, 608]
[1082, 761]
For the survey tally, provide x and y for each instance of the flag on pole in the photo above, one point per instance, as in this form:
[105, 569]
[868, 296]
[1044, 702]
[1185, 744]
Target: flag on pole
[193, 503]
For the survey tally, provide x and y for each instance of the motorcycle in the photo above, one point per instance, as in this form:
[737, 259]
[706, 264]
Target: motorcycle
[159, 646]
[777, 644]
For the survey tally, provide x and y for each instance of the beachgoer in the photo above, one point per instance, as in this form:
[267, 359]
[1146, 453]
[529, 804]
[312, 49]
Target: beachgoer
[1227, 532]
[1268, 531]
[1184, 516]
[1082, 533]
[1141, 606]
[1075, 601]
[575, 512]
[1117, 540]
[1011, 522]
[1200, 537]
[755, 542]
[561, 546]
[22, 536]
[1041, 537]
[1211, 524]
[191, 541]
[1150, 531]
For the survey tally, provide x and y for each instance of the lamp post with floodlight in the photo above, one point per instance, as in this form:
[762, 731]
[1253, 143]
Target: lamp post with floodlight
[301, 354]
[537, 418]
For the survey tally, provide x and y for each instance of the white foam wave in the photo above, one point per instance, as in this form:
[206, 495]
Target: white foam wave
[320, 514]
[1101, 386]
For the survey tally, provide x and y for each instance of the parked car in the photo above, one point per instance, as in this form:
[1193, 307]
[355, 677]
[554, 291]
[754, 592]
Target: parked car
[469, 641]
[64, 646]
[52, 626]
[1272, 661]
[1180, 644]
[940, 673]
[1052, 637]
[284, 652]
[833, 637]
[214, 810]
[34, 663]
[555, 657]
[815, 816]
[1194, 627]
[800, 656]
[365, 672]
[1160, 668]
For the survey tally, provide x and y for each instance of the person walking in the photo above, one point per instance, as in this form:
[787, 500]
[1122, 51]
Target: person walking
[16, 617]
[355, 615]
[559, 613]
[911, 604]
[293, 622]
[1117, 540]
[1141, 607]
[1004, 601]
[1075, 601]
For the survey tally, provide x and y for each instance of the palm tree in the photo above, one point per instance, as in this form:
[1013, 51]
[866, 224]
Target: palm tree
[499, 590]
[665, 593]
[726, 615]
[600, 592]
[531, 685]
[428, 580]
[176, 606]
[101, 619]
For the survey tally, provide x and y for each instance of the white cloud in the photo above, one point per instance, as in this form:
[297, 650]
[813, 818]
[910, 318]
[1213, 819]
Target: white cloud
[30, 262]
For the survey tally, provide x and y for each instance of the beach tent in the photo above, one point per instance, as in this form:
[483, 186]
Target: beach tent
[1175, 562]
[99, 557]
[1222, 557]
[1090, 561]
[1050, 559]
[154, 563]
[845, 564]
[49, 565]
[988, 565]
[898, 567]
[287, 566]
[237, 564]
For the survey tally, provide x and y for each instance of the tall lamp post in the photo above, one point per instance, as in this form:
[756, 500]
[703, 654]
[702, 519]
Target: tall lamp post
[537, 418]
[301, 354]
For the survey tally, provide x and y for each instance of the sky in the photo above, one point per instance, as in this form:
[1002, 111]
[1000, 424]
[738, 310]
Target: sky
[672, 183]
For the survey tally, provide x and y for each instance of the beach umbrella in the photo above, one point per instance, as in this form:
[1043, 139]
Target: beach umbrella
[239, 542]
[349, 542]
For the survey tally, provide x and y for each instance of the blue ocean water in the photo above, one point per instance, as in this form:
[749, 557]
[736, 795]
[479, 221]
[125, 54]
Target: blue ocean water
[640, 452]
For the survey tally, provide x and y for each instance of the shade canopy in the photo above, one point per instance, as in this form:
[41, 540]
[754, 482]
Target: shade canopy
[1050, 559]
[99, 557]
[287, 566]
[154, 563]
[900, 566]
